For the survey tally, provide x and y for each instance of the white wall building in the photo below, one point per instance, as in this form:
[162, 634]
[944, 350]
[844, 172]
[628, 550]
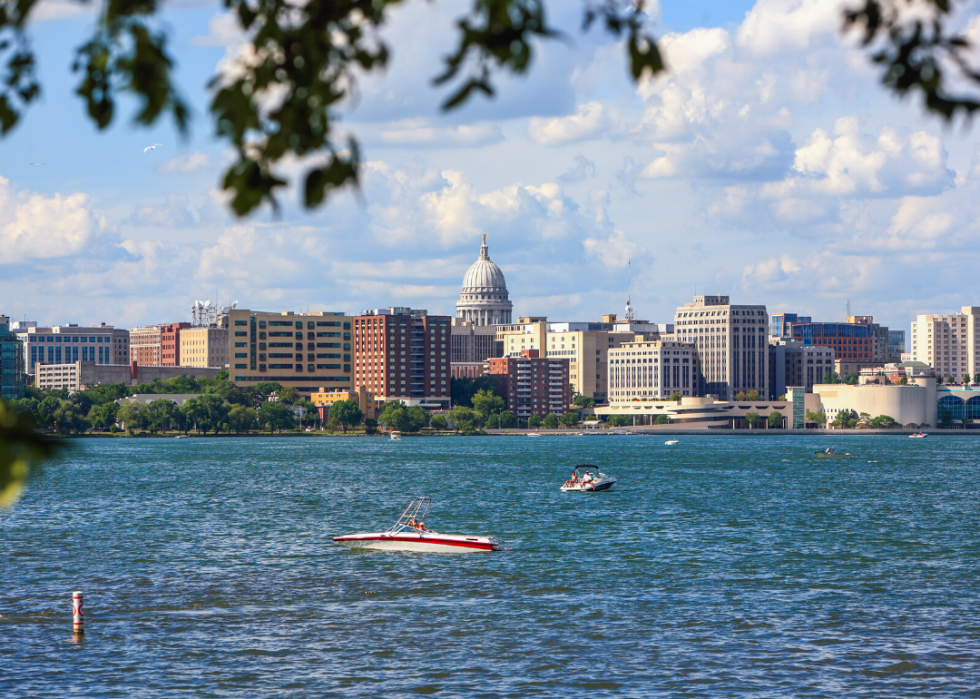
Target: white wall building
[732, 345]
[65, 344]
[650, 369]
[948, 343]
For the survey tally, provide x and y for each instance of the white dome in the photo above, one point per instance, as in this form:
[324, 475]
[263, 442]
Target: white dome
[484, 276]
[483, 299]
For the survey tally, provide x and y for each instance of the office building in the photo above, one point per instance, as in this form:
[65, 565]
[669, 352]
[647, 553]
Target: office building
[781, 324]
[879, 337]
[170, 343]
[302, 350]
[896, 346]
[732, 345]
[11, 362]
[474, 343]
[651, 369]
[532, 384]
[204, 346]
[146, 346]
[949, 343]
[86, 374]
[854, 342]
[403, 354]
[65, 344]
[584, 345]
[791, 363]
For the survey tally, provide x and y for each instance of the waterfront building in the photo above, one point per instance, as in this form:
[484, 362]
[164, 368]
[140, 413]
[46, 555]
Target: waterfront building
[532, 384]
[366, 401]
[146, 345]
[86, 374]
[949, 343]
[701, 412]
[403, 354]
[732, 347]
[851, 342]
[65, 344]
[585, 346]
[483, 298]
[204, 346]
[781, 324]
[170, 343]
[11, 362]
[879, 337]
[651, 369]
[912, 406]
[791, 363]
[302, 350]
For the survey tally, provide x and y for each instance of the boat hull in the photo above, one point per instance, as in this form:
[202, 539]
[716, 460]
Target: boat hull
[430, 542]
[824, 455]
[599, 486]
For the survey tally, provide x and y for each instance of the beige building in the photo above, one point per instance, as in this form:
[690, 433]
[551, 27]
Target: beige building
[702, 412]
[950, 343]
[585, 345]
[912, 406]
[650, 369]
[204, 346]
[145, 345]
[732, 345]
[303, 350]
[366, 401]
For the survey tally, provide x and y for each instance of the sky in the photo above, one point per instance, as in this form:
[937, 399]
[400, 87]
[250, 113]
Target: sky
[767, 164]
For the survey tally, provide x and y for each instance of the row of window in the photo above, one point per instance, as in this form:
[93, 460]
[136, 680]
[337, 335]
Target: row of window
[298, 324]
[68, 338]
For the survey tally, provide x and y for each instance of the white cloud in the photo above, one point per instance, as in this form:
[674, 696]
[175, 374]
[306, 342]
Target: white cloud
[614, 251]
[186, 162]
[774, 26]
[35, 226]
[591, 120]
[420, 133]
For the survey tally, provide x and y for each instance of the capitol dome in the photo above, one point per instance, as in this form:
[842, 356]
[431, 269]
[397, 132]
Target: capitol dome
[483, 299]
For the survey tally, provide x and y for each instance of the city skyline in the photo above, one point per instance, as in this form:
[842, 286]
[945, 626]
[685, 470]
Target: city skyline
[767, 165]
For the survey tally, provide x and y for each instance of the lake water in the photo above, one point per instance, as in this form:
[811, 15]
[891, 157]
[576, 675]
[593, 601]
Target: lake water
[719, 567]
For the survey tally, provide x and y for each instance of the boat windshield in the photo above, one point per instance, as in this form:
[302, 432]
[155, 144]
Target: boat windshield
[413, 517]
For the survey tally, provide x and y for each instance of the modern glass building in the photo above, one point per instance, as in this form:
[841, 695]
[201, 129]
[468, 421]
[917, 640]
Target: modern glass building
[11, 363]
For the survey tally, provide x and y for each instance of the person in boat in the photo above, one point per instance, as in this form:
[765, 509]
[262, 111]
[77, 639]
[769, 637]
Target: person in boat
[574, 479]
[828, 450]
[587, 478]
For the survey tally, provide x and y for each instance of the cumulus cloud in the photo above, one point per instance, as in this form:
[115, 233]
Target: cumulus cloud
[774, 26]
[186, 162]
[35, 226]
[583, 168]
[615, 251]
[420, 133]
[591, 120]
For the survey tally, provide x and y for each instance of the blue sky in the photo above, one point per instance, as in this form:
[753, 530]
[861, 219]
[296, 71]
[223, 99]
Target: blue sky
[766, 164]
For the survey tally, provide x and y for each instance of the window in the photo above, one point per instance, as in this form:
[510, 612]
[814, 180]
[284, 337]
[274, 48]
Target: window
[241, 322]
[241, 333]
[240, 366]
[240, 344]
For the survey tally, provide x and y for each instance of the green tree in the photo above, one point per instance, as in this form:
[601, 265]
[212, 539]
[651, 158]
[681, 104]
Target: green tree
[831, 377]
[242, 419]
[412, 419]
[976, 378]
[775, 420]
[507, 419]
[883, 422]
[584, 401]
[276, 416]
[570, 419]
[346, 413]
[816, 418]
[551, 421]
[753, 395]
[68, 419]
[371, 425]
[288, 395]
[462, 390]
[128, 415]
[740, 396]
[619, 420]
[949, 379]
[661, 420]
[465, 420]
[845, 418]
[753, 418]
[945, 417]
[266, 388]
[160, 414]
[487, 403]
[439, 422]
[675, 396]
[533, 422]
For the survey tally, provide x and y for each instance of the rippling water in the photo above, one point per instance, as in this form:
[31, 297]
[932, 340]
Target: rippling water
[718, 567]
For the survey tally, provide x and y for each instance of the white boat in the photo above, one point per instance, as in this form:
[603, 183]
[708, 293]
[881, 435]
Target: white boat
[599, 482]
[396, 436]
[409, 534]
[182, 436]
[533, 434]
[918, 435]
[671, 442]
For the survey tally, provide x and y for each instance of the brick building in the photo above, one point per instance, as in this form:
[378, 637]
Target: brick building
[145, 345]
[532, 384]
[170, 343]
[403, 354]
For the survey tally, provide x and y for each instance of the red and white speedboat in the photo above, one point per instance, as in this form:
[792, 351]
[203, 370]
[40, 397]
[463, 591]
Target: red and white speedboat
[409, 534]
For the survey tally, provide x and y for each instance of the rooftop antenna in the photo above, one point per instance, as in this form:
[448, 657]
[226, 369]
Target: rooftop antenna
[848, 309]
[630, 315]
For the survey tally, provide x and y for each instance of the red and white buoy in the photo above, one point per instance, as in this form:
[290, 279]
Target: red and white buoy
[78, 616]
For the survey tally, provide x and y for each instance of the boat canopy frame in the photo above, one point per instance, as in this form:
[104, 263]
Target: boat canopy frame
[411, 519]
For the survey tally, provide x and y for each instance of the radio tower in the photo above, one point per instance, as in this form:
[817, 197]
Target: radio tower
[630, 314]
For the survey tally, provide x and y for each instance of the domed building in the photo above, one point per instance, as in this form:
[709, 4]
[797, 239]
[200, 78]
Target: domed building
[484, 300]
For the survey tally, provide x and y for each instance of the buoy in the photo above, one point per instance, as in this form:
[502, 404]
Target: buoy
[78, 616]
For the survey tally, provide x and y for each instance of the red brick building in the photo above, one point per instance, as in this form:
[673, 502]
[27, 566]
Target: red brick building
[170, 343]
[531, 384]
[403, 354]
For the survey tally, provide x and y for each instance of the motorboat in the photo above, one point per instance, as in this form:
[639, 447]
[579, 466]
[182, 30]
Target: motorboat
[182, 436]
[671, 442]
[533, 434]
[396, 436]
[918, 435]
[410, 534]
[579, 483]
[828, 454]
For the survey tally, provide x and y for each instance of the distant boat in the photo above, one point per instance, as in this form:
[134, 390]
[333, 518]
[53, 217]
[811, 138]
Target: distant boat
[182, 436]
[533, 434]
[827, 454]
[671, 442]
[918, 435]
[396, 436]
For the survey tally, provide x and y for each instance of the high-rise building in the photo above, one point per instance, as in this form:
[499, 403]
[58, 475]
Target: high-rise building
[949, 343]
[11, 362]
[303, 350]
[65, 344]
[474, 343]
[532, 384]
[649, 368]
[204, 346]
[170, 343]
[781, 324]
[403, 354]
[879, 337]
[732, 346]
[483, 298]
[851, 342]
[146, 346]
[896, 346]
[791, 363]
[584, 345]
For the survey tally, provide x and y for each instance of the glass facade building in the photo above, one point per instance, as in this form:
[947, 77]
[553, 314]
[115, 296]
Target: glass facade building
[11, 363]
